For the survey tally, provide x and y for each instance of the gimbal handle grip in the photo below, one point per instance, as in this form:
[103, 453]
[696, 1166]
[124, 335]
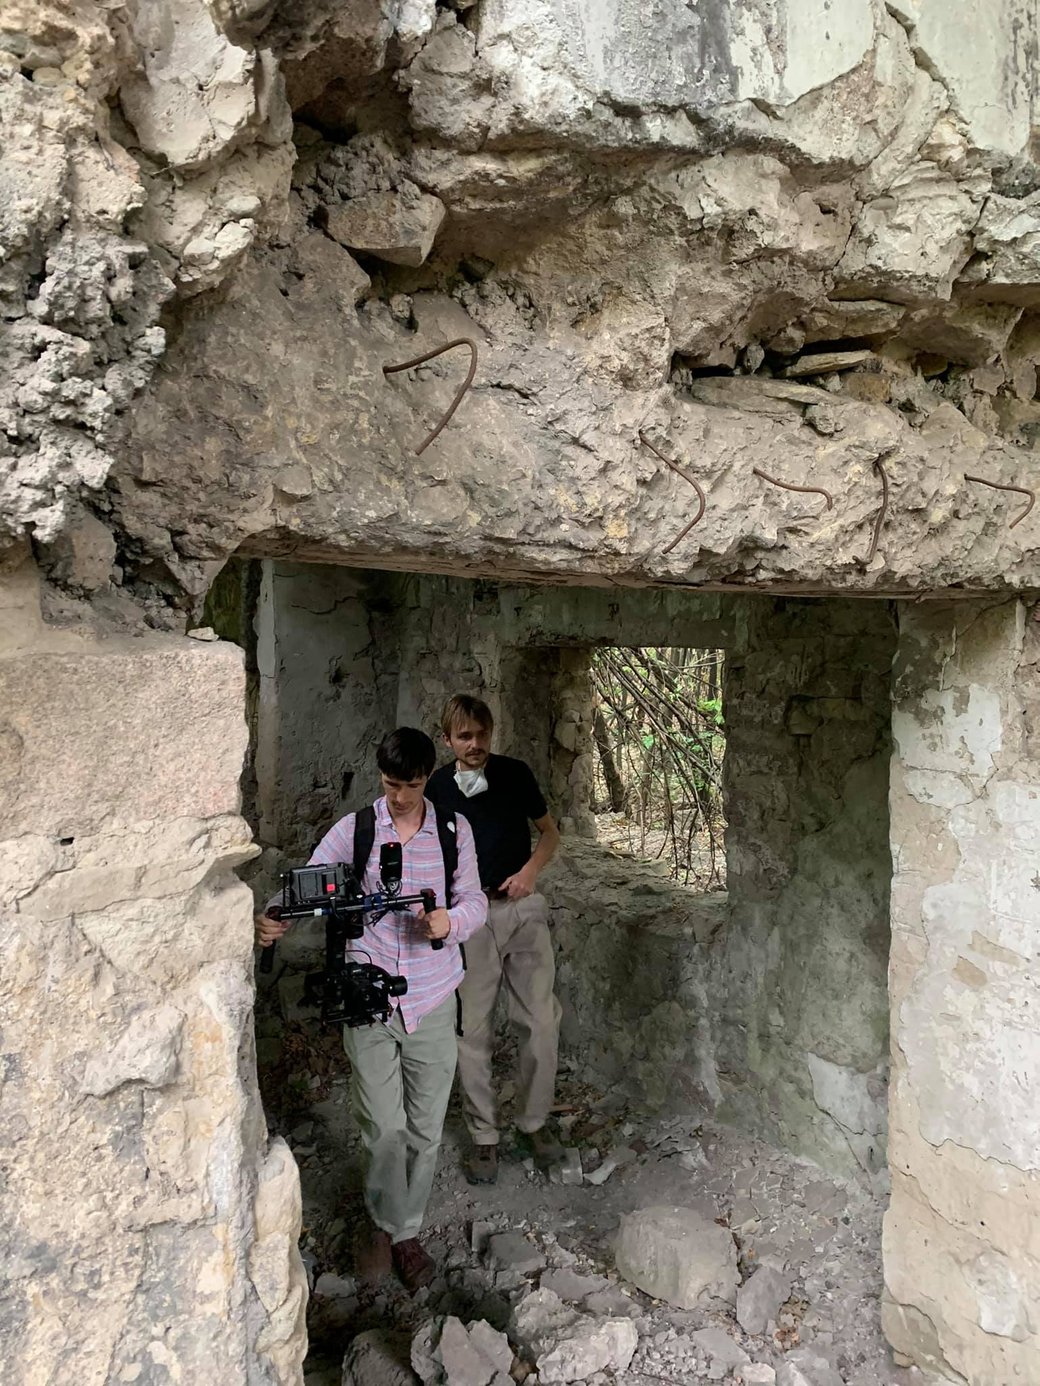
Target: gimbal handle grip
[267, 954]
[429, 904]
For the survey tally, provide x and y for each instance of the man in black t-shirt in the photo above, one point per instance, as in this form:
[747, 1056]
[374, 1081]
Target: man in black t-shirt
[499, 797]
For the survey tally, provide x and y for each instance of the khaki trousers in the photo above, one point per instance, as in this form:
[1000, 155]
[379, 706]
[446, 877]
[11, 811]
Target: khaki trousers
[400, 1085]
[514, 950]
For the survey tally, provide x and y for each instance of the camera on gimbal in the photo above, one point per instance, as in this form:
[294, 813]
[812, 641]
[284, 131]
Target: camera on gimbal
[350, 993]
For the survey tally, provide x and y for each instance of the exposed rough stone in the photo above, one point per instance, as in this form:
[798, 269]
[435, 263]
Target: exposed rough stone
[447, 1352]
[147, 1053]
[677, 1255]
[822, 362]
[378, 1358]
[390, 225]
[804, 1368]
[720, 1347]
[760, 1297]
[511, 1251]
[81, 296]
[83, 554]
[570, 1286]
[143, 1201]
[566, 1345]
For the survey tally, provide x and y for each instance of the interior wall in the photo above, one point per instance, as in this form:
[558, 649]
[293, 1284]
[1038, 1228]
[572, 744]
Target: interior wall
[346, 654]
[801, 970]
[150, 1229]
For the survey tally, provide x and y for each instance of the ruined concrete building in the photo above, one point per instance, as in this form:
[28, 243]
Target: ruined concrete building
[762, 275]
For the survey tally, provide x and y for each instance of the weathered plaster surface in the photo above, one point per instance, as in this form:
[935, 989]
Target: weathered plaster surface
[963, 1231]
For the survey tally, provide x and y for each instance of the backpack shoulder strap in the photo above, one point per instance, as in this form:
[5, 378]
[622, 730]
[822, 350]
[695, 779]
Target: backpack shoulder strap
[364, 838]
[446, 832]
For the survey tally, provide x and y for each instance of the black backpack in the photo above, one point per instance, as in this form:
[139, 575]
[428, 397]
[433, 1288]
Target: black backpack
[365, 837]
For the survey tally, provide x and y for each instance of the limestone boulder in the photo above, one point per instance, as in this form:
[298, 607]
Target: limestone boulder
[677, 1255]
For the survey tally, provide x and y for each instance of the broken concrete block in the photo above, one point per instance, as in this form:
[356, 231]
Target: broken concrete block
[447, 1352]
[571, 1172]
[566, 1345]
[378, 1358]
[756, 1374]
[676, 1255]
[494, 1345]
[623, 1155]
[83, 554]
[395, 226]
[826, 362]
[326, 269]
[511, 1251]
[479, 1233]
[571, 1286]
[331, 1286]
[804, 1368]
[612, 1302]
[720, 1347]
[760, 1297]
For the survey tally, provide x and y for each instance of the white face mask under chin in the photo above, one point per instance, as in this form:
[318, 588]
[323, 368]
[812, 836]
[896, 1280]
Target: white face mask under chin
[471, 782]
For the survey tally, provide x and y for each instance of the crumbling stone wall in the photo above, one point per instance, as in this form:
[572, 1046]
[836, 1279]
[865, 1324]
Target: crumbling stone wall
[789, 999]
[633, 967]
[962, 1234]
[141, 1201]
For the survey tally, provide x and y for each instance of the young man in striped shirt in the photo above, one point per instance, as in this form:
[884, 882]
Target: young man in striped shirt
[402, 1070]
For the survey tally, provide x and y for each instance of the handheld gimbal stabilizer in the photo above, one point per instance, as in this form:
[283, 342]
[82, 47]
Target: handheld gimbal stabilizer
[351, 993]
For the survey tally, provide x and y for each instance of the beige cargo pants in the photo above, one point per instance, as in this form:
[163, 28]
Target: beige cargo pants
[515, 951]
[400, 1085]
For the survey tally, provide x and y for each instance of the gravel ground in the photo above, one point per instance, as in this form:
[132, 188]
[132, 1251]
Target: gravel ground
[781, 1211]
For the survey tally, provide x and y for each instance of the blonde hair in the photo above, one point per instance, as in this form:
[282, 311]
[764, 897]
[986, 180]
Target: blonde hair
[461, 706]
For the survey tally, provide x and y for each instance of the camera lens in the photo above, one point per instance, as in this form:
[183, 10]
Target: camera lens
[397, 986]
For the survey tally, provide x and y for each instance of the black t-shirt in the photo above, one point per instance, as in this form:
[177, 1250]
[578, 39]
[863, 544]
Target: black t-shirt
[498, 817]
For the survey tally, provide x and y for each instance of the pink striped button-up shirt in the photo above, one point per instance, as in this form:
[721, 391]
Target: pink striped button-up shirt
[397, 943]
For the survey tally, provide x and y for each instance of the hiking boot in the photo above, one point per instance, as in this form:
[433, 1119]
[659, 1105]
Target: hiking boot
[541, 1146]
[413, 1266]
[372, 1256]
[480, 1165]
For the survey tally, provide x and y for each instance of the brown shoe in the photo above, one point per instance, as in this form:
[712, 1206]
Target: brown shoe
[481, 1164]
[413, 1266]
[372, 1255]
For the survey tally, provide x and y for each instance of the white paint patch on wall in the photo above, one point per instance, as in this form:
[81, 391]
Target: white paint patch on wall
[954, 731]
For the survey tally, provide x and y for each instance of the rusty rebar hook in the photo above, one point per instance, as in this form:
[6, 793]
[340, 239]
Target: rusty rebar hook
[879, 519]
[788, 486]
[428, 356]
[999, 486]
[687, 476]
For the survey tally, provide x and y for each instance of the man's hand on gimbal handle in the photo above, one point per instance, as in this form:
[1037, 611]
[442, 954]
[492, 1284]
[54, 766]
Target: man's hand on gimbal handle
[438, 922]
[268, 927]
